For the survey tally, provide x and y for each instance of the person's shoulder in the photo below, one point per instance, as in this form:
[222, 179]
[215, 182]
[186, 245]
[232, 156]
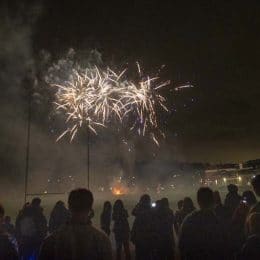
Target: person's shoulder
[96, 231]
[255, 208]
[191, 217]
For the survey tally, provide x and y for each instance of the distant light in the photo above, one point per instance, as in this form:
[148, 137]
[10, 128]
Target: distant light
[45, 192]
[225, 179]
[239, 178]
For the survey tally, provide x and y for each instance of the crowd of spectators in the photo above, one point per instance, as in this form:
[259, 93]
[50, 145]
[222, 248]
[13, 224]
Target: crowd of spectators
[215, 230]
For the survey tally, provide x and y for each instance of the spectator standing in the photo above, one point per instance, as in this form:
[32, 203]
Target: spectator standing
[201, 235]
[121, 229]
[59, 216]
[8, 226]
[105, 218]
[251, 248]
[77, 239]
[256, 187]
[143, 231]
[178, 216]
[31, 229]
[8, 250]
[220, 210]
[232, 199]
[164, 229]
[187, 208]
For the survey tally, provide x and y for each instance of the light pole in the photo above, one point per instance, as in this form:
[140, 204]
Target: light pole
[88, 154]
[28, 82]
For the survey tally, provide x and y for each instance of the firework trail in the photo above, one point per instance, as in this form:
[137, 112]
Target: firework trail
[98, 97]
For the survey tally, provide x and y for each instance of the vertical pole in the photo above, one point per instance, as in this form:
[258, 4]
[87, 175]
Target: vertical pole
[88, 155]
[27, 159]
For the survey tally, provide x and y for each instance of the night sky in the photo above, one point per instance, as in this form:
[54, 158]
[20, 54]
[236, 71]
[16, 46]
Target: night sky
[214, 45]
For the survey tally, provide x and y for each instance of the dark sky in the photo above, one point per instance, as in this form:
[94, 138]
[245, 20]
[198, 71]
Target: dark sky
[212, 44]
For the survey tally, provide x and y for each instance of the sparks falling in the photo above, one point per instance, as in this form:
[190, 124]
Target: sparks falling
[97, 97]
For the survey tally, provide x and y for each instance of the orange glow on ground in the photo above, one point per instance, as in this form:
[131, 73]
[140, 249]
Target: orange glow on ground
[119, 190]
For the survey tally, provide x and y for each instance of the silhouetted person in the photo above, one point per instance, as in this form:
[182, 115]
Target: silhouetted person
[143, 230]
[201, 234]
[77, 239]
[105, 218]
[8, 226]
[7, 248]
[164, 230]
[121, 229]
[249, 197]
[251, 248]
[59, 216]
[220, 210]
[232, 199]
[237, 228]
[187, 208]
[178, 215]
[256, 187]
[31, 229]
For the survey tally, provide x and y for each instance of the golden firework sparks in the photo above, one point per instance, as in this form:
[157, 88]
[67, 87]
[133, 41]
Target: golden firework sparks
[96, 97]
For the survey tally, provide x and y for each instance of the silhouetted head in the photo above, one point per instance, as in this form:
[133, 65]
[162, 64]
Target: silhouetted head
[2, 213]
[256, 184]
[80, 201]
[205, 198]
[7, 219]
[36, 202]
[217, 198]
[188, 204]
[107, 206]
[232, 188]
[26, 205]
[254, 223]
[118, 205]
[60, 204]
[157, 204]
[180, 204]
[249, 197]
[145, 200]
[164, 203]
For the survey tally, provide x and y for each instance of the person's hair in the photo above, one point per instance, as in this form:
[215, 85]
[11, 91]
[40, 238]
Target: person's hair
[217, 198]
[180, 204]
[80, 200]
[256, 184]
[145, 200]
[205, 197]
[188, 204]
[164, 203]
[118, 206]
[2, 211]
[232, 188]
[107, 206]
[254, 223]
[59, 203]
[36, 202]
[249, 197]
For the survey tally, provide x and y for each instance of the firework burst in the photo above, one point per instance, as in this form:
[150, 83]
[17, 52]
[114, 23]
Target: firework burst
[98, 97]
